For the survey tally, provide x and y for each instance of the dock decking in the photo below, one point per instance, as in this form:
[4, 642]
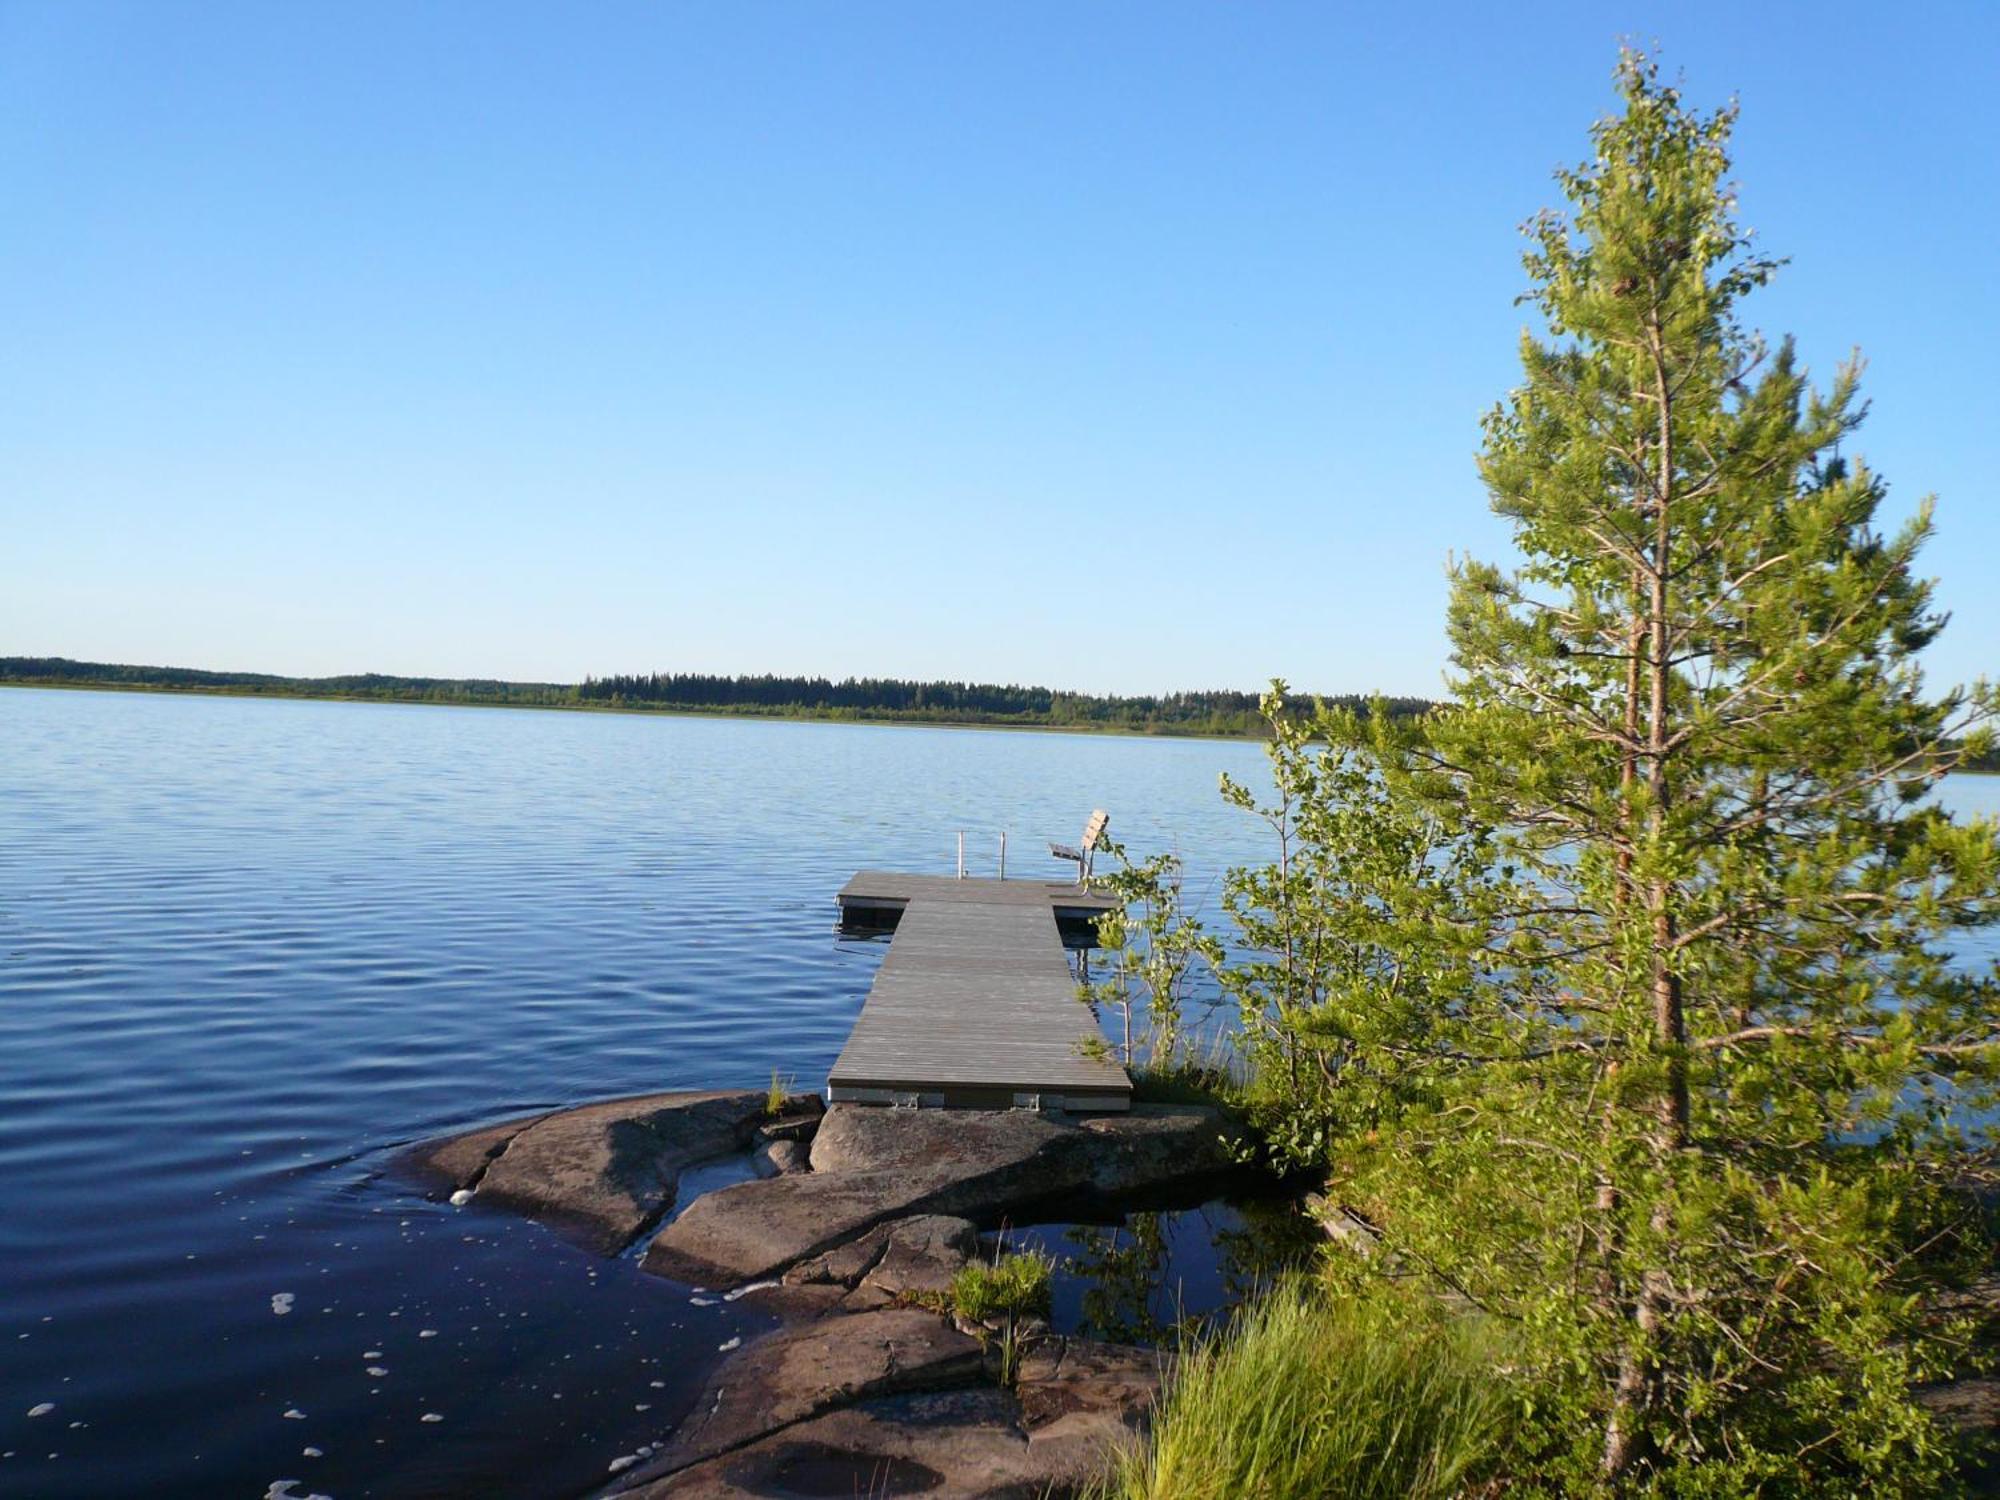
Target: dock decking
[974, 1006]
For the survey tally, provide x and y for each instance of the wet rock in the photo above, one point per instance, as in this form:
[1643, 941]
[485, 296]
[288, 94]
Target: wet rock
[800, 1120]
[784, 1155]
[923, 1254]
[1071, 1387]
[456, 1164]
[950, 1445]
[902, 1257]
[872, 1165]
[801, 1372]
[602, 1173]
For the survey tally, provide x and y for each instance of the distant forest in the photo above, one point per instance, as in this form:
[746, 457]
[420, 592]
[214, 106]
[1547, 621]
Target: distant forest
[1220, 712]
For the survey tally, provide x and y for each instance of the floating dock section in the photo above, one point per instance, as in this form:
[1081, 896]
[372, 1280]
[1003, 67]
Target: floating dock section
[974, 1006]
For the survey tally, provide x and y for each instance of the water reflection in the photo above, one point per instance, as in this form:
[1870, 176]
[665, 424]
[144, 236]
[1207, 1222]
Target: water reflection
[1152, 1275]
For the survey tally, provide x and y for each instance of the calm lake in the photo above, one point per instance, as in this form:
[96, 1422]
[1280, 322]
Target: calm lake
[249, 949]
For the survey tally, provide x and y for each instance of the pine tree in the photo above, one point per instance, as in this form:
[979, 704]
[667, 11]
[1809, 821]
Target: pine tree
[1683, 1125]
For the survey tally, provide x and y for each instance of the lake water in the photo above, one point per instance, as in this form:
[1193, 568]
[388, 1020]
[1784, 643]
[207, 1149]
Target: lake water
[249, 949]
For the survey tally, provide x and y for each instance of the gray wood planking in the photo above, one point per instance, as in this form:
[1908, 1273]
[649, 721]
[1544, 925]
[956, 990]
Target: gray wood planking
[974, 998]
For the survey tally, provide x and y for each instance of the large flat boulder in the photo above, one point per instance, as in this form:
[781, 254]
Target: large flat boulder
[600, 1174]
[801, 1372]
[871, 1165]
[945, 1445]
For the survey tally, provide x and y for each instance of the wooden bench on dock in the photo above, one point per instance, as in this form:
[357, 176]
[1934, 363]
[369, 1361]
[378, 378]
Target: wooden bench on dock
[974, 1006]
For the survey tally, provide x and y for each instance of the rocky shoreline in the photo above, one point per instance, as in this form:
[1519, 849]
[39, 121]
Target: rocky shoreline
[850, 1233]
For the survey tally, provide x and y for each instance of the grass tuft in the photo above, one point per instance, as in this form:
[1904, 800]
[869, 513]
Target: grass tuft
[778, 1094]
[1307, 1396]
[1013, 1286]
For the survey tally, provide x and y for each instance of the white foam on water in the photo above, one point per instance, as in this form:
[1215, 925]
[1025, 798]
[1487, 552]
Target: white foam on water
[42, 1410]
[744, 1291]
[293, 1414]
[735, 1343]
[281, 1302]
[378, 1371]
[428, 1333]
[430, 1416]
[701, 1302]
[313, 1452]
[462, 1197]
[281, 1489]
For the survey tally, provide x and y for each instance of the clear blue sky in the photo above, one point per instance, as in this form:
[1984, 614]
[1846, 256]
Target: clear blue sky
[1115, 347]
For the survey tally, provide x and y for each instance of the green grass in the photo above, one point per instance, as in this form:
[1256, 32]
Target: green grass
[778, 1094]
[1308, 1396]
[1013, 1286]
[1204, 1071]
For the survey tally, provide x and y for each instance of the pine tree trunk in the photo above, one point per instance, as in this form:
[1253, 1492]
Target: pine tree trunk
[1636, 1388]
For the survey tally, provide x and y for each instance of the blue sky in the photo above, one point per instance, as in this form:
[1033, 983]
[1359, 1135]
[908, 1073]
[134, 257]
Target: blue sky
[1115, 347]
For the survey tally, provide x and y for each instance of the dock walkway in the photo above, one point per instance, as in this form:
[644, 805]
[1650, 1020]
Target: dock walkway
[974, 1006]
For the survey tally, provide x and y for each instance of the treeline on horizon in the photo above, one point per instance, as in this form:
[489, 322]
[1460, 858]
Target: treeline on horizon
[1219, 712]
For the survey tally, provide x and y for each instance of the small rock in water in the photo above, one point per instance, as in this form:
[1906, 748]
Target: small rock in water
[281, 1489]
[313, 1452]
[42, 1410]
[623, 1462]
[428, 1333]
[378, 1371]
[281, 1303]
[371, 1354]
[293, 1414]
[462, 1197]
[732, 1344]
[430, 1416]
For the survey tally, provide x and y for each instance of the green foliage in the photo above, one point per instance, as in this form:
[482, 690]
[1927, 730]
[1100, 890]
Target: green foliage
[1308, 1396]
[1153, 946]
[1013, 1286]
[779, 1094]
[1619, 994]
[1363, 930]
[1205, 1069]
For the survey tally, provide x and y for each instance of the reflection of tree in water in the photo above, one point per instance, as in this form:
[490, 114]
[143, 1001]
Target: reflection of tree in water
[1272, 1238]
[1123, 1267]
[1132, 1294]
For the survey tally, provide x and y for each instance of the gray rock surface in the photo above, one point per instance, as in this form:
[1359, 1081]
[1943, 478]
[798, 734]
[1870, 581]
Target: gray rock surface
[801, 1372]
[785, 1155]
[949, 1445]
[1070, 1386]
[870, 1165]
[966, 1444]
[600, 1174]
[897, 1259]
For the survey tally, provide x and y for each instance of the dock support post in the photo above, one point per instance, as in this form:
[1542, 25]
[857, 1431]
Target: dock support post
[961, 854]
[1003, 856]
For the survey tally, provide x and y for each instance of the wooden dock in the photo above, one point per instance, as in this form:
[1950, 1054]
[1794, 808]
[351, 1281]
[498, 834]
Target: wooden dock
[974, 1006]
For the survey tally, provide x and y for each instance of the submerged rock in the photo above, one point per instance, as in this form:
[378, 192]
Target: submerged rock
[600, 1174]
